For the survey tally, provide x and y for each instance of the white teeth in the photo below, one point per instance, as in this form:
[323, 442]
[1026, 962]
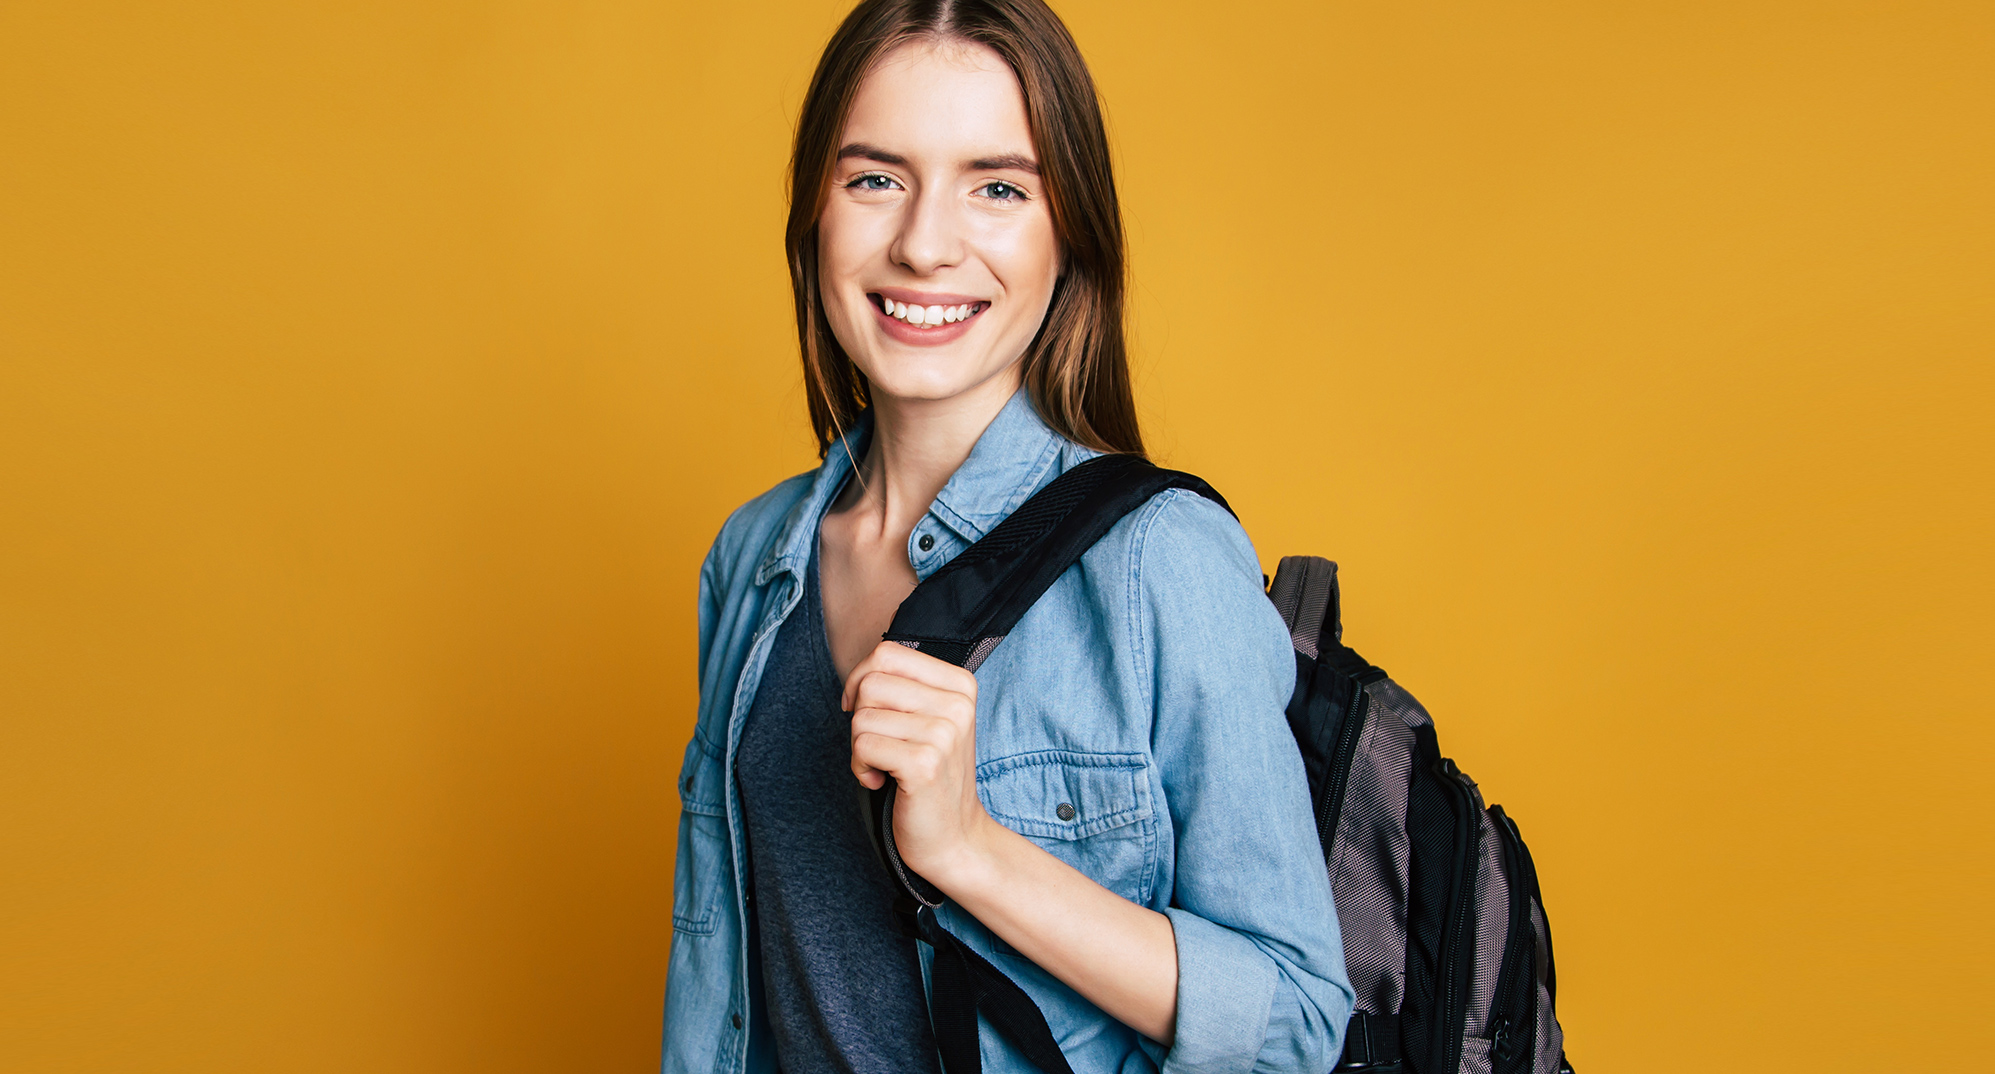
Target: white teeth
[928, 315]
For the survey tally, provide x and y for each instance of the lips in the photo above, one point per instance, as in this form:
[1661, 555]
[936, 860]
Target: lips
[925, 318]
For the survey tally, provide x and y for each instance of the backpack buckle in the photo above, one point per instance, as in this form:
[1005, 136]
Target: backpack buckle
[1371, 1045]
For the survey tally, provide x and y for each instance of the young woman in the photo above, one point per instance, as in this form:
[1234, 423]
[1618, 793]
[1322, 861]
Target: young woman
[1113, 804]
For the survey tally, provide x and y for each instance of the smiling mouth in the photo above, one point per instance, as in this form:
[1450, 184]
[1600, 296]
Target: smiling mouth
[928, 316]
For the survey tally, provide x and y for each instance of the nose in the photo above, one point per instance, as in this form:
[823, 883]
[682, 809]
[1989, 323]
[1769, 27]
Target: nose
[931, 234]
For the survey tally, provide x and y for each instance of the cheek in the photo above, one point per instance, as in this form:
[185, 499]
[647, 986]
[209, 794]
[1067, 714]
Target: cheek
[834, 246]
[848, 241]
[1031, 254]
[841, 254]
[1026, 259]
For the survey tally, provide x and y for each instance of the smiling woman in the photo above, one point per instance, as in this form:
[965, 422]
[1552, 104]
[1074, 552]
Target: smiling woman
[1111, 805]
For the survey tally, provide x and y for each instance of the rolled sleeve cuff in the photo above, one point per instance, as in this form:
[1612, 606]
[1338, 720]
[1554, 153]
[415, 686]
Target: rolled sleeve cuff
[1226, 990]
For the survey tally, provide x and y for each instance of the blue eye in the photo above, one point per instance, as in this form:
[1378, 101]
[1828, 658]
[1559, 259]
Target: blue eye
[873, 181]
[1002, 191]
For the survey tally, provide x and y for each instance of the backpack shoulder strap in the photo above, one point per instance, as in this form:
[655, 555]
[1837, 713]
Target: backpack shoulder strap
[961, 612]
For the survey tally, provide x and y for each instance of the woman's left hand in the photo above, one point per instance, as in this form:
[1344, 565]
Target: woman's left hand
[914, 720]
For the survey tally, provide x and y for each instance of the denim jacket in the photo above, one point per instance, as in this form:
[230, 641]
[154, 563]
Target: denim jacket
[1145, 690]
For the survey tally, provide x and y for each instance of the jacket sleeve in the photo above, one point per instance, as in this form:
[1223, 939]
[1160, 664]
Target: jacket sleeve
[1261, 982]
[710, 593]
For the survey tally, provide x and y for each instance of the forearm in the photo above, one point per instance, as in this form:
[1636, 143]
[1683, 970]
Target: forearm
[1121, 956]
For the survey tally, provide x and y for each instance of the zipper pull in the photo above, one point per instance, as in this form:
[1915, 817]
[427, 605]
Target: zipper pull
[1449, 770]
[1454, 772]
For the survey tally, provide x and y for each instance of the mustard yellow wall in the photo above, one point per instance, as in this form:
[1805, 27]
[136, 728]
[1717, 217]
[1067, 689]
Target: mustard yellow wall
[373, 376]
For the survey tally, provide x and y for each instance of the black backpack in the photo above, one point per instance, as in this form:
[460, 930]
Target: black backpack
[1445, 936]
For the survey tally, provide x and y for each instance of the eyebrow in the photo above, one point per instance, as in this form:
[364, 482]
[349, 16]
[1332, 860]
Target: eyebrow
[1008, 162]
[871, 152]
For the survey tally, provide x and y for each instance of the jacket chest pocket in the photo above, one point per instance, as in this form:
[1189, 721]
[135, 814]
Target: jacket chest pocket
[1090, 810]
[700, 870]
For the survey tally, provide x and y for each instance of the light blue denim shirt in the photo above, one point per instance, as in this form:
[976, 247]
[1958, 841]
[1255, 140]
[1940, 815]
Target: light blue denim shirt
[1146, 690]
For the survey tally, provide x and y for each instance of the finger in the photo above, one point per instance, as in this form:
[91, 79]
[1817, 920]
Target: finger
[929, 730]
[881, 690]
[912, 764]
[896, 659]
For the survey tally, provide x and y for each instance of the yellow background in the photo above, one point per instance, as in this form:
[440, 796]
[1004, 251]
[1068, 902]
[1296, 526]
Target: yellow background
[373, 377]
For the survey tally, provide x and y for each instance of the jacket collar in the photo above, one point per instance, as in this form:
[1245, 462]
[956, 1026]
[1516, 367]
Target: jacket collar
[790, 552]
[1015, 455]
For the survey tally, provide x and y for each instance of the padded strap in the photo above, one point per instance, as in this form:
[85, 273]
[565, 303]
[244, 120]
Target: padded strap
[959, 614]
[963, 610]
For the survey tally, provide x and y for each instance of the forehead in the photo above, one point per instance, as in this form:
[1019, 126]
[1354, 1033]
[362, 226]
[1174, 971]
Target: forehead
[949, 99]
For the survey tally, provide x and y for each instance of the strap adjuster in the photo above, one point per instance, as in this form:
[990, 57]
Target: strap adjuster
[1371, 1045]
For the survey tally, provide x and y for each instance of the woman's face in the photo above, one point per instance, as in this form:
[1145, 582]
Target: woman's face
[936, 251]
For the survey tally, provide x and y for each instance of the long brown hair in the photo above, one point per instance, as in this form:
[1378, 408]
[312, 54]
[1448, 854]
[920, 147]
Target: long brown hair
[1077, 367]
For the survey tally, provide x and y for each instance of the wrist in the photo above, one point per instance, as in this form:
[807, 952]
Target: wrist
[971, 866]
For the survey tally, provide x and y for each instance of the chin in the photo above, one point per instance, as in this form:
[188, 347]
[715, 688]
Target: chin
[932, 378]
[920, 388]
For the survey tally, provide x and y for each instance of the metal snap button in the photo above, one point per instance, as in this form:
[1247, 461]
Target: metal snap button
[1065, 812]
[927, 541]
[736, 1019]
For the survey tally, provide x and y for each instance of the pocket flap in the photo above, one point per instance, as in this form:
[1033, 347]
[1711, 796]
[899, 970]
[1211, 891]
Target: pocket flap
[1062, 794]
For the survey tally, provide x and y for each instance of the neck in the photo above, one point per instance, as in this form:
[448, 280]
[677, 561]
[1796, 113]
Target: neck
[917, 445]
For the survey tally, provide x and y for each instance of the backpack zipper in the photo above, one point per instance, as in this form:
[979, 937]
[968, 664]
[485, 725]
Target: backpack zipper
[1339, 775]
[1512, 1027]
[1457, 966]
[1542, 932]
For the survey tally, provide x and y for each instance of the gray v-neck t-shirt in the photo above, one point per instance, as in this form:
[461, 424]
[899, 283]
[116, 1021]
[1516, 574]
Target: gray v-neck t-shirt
[841, 981]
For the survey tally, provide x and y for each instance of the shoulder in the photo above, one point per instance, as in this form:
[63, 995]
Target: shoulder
[1180, 558]
[1195, 586]
[745, 537]
[1180, 536]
